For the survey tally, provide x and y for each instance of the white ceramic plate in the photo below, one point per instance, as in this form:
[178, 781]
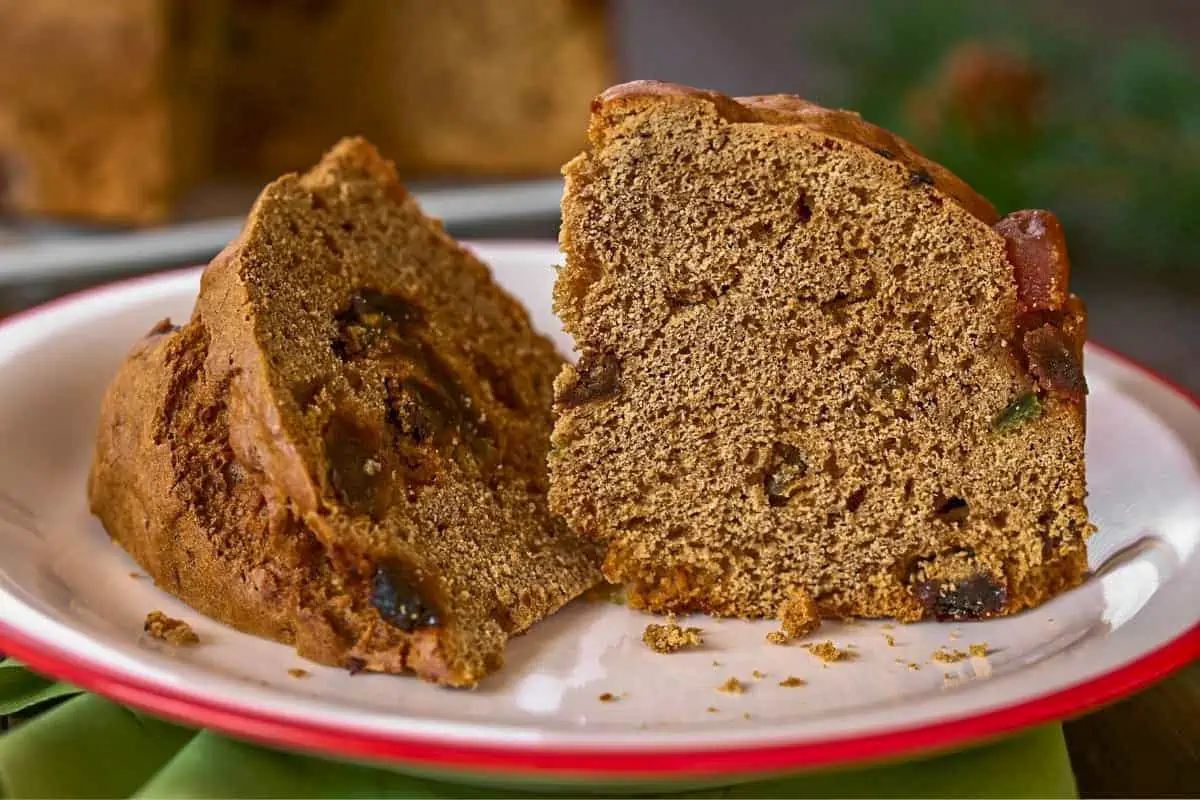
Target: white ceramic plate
[69, 607]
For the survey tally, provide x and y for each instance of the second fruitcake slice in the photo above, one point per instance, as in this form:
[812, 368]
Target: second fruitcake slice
[345, 447]
[816, 371]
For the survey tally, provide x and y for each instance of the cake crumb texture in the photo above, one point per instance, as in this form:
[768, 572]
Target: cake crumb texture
[811, 363]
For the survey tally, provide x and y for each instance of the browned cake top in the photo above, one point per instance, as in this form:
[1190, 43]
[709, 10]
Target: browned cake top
[789, 109]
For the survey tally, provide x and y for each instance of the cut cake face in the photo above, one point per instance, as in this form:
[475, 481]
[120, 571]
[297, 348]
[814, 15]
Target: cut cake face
[814, 366]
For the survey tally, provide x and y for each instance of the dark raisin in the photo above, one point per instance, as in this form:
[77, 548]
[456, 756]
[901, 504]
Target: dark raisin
[883, 151]
[1025, 408]
[354, 465]
[421, 413]
[952, 509]
[803, 209]
[399, 603]
[786, 469]
[976, 597]
[373, 308]
[920, 177]
[502, 388]
[355, 665]
[597, 377]
[1054, 363]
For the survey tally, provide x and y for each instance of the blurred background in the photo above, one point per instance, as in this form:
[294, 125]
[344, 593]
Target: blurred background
[168, 115]
[135, 133]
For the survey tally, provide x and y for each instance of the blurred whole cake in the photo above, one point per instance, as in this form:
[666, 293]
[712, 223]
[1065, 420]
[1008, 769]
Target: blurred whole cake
[106, 109]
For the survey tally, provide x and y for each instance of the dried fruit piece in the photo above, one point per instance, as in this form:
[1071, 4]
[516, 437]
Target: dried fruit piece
[373, 308]
[785, 471]
[399, 603]
[1054, 363]
[348, 448]
[1026, 407]
[976, 597]
[952, 509]
[597, 377]
[1037, 250]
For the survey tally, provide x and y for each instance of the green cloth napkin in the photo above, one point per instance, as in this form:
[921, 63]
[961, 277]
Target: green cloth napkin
[89, 747]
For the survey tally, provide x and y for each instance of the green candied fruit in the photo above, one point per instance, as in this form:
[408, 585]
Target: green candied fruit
[1018, 412]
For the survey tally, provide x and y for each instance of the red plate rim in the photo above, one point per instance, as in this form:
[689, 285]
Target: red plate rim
[547, 761]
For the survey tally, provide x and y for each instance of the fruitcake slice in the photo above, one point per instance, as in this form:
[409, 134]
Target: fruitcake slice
[816, 371]
[379, 411]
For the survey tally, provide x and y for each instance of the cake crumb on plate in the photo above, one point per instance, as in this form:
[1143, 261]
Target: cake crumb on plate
[297, 672]
[670, 637]
[791, 681]
[798, 615]
[732, 686]
[170, 630]
[979, 650]
[827, 651]
[777, 637]
[944, 656]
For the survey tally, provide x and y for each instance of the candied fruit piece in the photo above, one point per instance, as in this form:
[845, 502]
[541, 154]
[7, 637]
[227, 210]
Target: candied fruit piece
[1025, 408]
[976, 597]
[1054, 363]
[1037, 250]
[597, 377]
[399, 603]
